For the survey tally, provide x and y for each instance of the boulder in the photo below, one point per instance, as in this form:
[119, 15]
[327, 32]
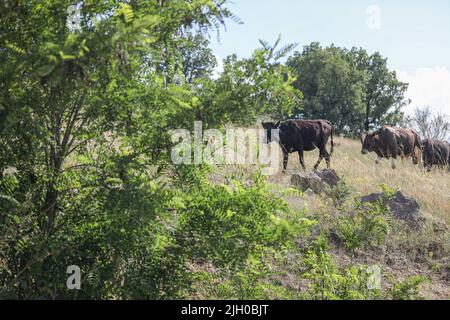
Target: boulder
[315, 180]
[329, 176]
[402, 207]
[309, 192]
[307, 181]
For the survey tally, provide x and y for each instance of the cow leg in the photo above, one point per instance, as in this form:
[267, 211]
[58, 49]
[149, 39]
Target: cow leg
[377, 160]
[285, 160]
[327, 158]
[415, 157]
[393, 162]
[318, 161]
[302, 160]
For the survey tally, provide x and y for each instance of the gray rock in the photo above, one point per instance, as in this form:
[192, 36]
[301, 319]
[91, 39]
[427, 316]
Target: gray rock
[329, 176]
[309, 192]
[307, 181]
[402, 207]
[315, 180]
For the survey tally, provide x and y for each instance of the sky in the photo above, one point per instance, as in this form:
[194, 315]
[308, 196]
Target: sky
[413, 34]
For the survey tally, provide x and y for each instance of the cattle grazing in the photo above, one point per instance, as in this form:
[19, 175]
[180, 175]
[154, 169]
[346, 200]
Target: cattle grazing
[302, 135]
[435, 152]
[390, 142]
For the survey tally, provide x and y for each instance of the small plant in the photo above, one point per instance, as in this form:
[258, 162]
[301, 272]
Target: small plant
[339, 193]
[355, 284]
[407, 289]
[320, 270]
[388, 192]
[327, 281]
[254, 281]
[368, 225]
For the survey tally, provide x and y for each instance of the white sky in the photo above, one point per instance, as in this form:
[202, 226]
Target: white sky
[428, 86]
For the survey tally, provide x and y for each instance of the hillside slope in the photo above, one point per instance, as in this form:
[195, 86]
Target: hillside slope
[430, 189]
[408, 253]
[402, 253]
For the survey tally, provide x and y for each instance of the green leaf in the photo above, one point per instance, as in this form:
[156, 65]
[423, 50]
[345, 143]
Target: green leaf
[45, 70]
[66, 57]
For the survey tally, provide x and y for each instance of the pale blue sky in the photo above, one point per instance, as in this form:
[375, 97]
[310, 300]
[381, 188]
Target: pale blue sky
[414, 35]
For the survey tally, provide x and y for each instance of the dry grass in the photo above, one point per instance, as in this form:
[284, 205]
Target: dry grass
[364, 176]
[431, 189]
[406, 252]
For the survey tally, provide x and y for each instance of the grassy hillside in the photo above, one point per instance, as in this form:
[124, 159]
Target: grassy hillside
[431, 189]
[403, 254]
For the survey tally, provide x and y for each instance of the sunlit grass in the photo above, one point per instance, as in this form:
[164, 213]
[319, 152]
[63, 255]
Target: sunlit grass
[431, 189]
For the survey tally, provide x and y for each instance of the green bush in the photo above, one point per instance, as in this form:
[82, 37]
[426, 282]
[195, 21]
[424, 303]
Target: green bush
[339, 193]
[225, 224]
[368, 225]
[327, 281]
[407, 289]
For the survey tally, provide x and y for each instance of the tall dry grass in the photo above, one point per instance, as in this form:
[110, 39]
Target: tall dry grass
[431, 189]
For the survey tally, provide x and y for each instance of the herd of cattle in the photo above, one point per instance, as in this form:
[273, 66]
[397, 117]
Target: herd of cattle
[387, 142]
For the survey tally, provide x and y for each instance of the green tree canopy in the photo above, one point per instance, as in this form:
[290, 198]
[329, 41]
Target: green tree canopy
[86, 110]
[348, 87]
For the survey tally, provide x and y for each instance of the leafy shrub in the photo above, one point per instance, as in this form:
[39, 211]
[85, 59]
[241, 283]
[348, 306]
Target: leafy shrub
[328, 282]
[227, 223]
[366, 226]
[339, 193]
[407, 289]
[388, 192]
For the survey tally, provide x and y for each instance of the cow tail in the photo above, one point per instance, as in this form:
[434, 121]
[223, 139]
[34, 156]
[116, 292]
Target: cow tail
[332, 143]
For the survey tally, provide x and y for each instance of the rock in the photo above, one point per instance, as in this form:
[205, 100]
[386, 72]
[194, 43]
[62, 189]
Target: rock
[315, 180]
[307, 181]
[329, 176]
[401, 206]
[309, 192]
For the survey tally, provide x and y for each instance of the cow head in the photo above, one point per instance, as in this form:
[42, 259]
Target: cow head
[368, 141]
[268, 127]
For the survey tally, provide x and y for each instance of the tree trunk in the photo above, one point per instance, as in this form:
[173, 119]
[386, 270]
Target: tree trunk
[51, 199]
[367, 122]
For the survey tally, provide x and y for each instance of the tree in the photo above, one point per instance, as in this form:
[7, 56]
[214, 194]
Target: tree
[331, 84]
[384, 94]
[430, 124]
[198, 61]
[85, 111]
[354, 90]
[250, 87]
[85, 170]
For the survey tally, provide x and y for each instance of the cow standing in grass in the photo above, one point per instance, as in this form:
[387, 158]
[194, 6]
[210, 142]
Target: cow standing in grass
[390, 142]
[302, 135]
[435, 152]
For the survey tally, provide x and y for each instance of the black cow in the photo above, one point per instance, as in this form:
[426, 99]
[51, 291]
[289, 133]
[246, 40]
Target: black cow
[302, 135]
[389, 142]
[435, 152]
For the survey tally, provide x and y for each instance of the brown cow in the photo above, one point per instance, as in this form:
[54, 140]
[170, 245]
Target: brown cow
[302, 135]
[435, 152]
[389, 142]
